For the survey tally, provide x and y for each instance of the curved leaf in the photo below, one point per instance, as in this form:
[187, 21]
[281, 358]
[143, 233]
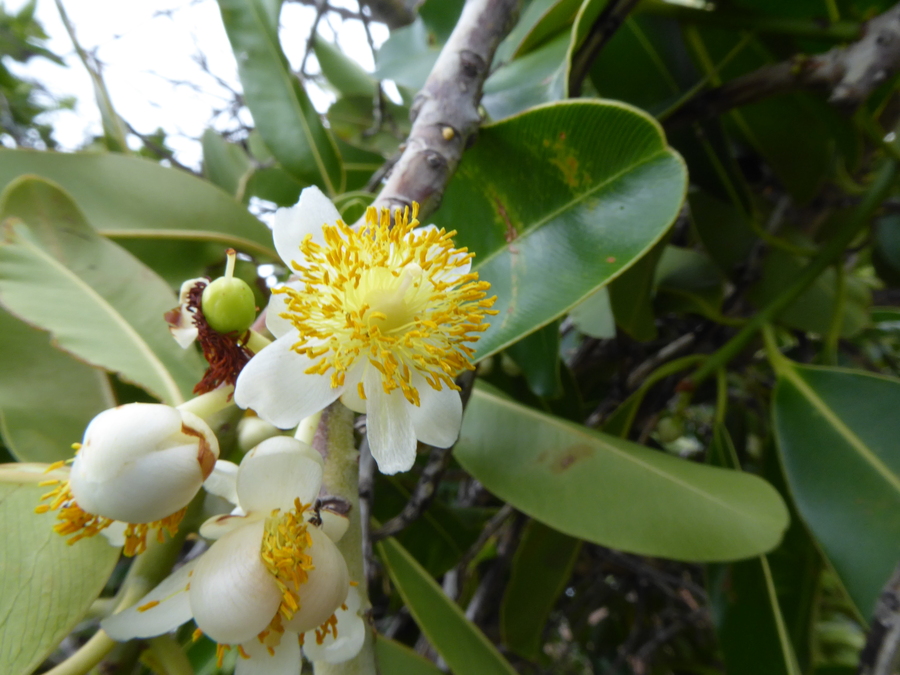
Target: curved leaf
[557, 202]
[100, 303]
[35, 372]
[463, 646]
[397, 659]
[47, 586]
[283, 113]
[837, 435]
[129, 197]
[613, 492]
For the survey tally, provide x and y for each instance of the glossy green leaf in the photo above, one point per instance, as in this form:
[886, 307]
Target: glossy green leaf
[587, 15]
[283, 113]
[225, 164]
[837, 436]
[352, 119]
[407, 56]
[35, 373]
[631, 295]
[540, 569]
[47, 586]
[557, 202]
[556, 19]
[538, 357]
[593, 316]
[613, 492]
[812, 311]
[687, 281]
[129, 197]
[744, 603]
[97, 300]
[460, 642]
[528, 81]
[342, 72]
[397, 659]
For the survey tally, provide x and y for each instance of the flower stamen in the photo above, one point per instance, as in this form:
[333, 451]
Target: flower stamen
[284, 553]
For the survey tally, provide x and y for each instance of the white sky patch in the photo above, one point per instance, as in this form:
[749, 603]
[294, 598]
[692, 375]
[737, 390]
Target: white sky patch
[149, 51]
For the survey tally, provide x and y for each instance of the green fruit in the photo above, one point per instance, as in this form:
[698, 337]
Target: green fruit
[228, 305]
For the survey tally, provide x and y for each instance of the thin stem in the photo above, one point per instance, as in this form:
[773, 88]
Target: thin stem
[211, 403]
[826, 256]
[334, 439]
[833, 336]
[256, 342]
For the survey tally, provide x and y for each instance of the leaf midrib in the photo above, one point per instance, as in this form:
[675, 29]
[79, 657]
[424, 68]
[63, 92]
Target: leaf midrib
[617, 451]
[843, 430]
[172, 390]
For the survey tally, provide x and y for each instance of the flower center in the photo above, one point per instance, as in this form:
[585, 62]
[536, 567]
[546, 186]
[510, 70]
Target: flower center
[284, 553]
[392, 295]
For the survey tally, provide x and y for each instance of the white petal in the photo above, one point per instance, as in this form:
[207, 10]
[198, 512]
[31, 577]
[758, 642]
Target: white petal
[254, 430]
[351, 630]
[326, 587]
[218, 526]
[233, 596]
[222, 482]
[309, 215]
[285, 660]
[115, 533]
[438, 418]
[276, 472]
[173, 609]
[277, 306]
[334, 524]
[392, 438]
[355, 375]
[274, 383]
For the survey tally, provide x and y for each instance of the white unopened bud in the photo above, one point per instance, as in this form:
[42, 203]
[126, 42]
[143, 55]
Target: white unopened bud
[142, 462]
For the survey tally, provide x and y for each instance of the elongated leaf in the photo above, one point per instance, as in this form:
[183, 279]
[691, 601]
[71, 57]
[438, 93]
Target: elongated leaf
[837, 435]
[35, 374]
[555, 20]
[614, 492]
[557, 202]
[631, 296]
[540, 570]
[538, 357]
[342, 72]
[225, 164]
[588, 13]
[397, 659]
[99, 302]
[745, 609]
[129, 197]
[283, 113]
[47, 586]
[462, 645]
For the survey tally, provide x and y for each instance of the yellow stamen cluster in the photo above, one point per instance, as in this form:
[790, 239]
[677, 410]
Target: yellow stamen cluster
[388, 294]
[79, 523]
[284, 545]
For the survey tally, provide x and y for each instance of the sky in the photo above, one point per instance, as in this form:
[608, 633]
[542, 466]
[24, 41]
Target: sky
[148, 50]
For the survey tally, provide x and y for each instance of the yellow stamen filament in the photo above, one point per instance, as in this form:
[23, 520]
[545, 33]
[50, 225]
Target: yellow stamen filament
[392, 296]
[330, 626]
[80, 524]
[149, 605]
[196, 635]
[284, 553]
[220, 654]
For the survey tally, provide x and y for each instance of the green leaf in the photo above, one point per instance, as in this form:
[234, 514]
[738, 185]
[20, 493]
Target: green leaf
[283, 113]
[613, 492]
[35, 373]
[47, 586]
[462, 645]
[397, 659]
[631, 295]
[837, 436]
[575, 191]
[225, 164]
[342, 72]
[593, 316]
[540, 569]
[407, 56]
[744, 604]
[129, 197]
[538, 357]
[723, 229]
[555, 20]
[587, 15]
[688, 282]
[99, 303]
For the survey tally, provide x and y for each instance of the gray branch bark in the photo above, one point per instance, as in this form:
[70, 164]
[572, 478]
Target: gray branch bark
[846, 74]
[881, 655]
[445, 112]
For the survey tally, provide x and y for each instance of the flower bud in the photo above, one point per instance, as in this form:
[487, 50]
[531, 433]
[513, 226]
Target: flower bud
[142, 462]
[228, 305]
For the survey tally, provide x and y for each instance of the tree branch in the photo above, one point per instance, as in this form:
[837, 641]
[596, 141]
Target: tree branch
[846, 74]
[445, 112]
[882, 650]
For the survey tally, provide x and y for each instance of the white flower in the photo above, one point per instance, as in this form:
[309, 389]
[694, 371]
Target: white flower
[380, 317]
[271, 576]
[345, 640]
[140, 464]
[181, 319]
